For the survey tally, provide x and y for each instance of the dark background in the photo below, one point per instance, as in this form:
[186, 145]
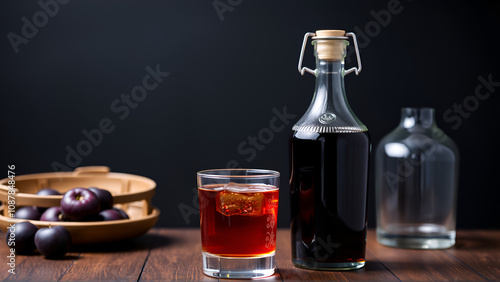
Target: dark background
[227, 72]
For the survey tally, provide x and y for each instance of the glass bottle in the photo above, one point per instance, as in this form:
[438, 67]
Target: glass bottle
[416, 177]
[329, 166]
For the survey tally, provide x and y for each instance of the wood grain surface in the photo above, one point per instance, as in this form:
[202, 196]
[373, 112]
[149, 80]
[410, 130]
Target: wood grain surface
[175, 255]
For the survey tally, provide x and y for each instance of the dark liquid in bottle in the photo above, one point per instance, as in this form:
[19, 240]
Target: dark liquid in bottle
[329, 194]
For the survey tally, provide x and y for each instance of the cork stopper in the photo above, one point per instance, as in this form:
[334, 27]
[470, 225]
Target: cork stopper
[328, 49]
[330, 32]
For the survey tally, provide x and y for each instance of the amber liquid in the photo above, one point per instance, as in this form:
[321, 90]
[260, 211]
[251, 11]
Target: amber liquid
[329, 198]
[242, 225]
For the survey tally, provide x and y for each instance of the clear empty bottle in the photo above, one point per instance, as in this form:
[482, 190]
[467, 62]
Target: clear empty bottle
[416, 171]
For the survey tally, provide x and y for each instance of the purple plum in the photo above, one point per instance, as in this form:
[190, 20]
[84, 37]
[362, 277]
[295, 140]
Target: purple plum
[52, 214]
[21, 237]
[122, 212]
[31, 213]
[79, 203]
[53, 242]
[104, 196]
[110, 214]
[46, 192]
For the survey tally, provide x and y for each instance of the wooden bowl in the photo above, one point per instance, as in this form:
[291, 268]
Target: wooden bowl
[132, 193]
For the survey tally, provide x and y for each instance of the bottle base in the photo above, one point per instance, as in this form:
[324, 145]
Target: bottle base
[314, 265]
[238, 267]
[419, 241]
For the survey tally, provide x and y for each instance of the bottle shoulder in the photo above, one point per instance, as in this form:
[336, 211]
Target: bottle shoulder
[403, 135]
[401, 142]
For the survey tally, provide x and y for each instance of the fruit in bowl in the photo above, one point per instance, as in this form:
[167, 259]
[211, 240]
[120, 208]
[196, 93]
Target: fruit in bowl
[110, 214]
[46, 192]
[132, 193]
[28, 213]
[105, 198]
[122, 212]
[52, 214]
[79, 203]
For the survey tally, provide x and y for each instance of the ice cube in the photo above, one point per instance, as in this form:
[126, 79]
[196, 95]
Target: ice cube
[239, 187]
[238, 199]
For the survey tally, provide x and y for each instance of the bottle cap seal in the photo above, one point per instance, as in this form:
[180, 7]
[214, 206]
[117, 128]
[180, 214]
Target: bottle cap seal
[330, 33]
[328, 49]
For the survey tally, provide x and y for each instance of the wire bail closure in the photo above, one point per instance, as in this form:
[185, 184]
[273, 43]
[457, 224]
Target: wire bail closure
[302, 70]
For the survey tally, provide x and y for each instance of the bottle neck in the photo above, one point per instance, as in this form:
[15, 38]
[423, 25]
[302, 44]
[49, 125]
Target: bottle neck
[417, 118]
[329, 96]
[330, 83]
[329, 110]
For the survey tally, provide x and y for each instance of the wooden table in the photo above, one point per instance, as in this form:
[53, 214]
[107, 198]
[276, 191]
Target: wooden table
[175, 255]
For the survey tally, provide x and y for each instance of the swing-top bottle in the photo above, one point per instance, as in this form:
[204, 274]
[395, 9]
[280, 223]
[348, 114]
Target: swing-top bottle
[330, 150]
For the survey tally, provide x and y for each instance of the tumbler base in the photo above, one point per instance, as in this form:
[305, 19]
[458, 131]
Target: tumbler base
[238, 267]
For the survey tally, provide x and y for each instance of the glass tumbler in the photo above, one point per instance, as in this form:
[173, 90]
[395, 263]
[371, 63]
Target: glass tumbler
[238, 215]
[416, 178]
